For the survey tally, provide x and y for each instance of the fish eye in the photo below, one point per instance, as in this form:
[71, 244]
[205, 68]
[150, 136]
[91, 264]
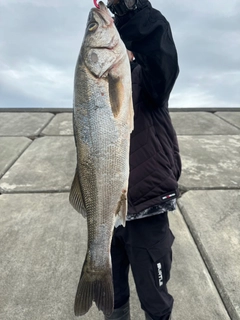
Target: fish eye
[92, 26]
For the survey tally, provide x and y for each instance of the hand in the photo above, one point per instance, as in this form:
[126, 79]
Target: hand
[121, 7]
[129, 3]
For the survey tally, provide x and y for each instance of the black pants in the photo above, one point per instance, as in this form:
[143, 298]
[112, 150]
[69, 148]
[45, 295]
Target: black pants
[145, 244]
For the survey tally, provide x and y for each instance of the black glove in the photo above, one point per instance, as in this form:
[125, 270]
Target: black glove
[122, 7]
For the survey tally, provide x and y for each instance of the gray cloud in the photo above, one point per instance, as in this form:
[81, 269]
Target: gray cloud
[40, 42]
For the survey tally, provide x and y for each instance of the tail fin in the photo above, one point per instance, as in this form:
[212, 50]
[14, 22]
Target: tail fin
[97, 288]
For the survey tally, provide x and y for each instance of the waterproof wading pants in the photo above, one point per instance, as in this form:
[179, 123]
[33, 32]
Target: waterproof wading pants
[145, 245]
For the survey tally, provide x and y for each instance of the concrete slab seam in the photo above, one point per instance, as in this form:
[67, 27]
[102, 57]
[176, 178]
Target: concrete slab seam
[172, 109]
[14, 161]
[209, 266]
[207, 134]
[47, 123]
[35, 192]
[227, 122]
[56, 135]
[209, 188]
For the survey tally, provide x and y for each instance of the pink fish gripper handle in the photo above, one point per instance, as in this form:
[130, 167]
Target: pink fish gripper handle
[96, 4]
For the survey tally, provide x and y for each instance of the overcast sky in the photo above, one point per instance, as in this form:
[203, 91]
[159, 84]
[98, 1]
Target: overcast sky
[40, 42]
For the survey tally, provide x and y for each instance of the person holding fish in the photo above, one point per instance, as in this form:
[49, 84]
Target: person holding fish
[128, 161]
[155, 165]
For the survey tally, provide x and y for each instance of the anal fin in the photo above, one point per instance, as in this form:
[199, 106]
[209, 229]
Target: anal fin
[75, 197]
[121, 212]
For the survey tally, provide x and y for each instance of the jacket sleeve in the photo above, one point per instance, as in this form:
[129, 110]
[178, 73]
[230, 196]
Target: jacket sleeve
[148, 35]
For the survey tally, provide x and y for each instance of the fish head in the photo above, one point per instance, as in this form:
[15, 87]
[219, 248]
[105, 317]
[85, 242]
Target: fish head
[100, 30]
[102, 45]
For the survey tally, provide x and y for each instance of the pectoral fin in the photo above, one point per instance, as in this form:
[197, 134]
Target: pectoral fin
[76, 198]
[116, 94]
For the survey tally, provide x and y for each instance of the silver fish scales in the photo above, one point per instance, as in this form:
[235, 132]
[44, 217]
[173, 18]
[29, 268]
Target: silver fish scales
[102, 121]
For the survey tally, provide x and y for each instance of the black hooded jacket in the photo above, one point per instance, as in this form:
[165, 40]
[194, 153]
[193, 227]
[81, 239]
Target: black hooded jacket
[155, 163]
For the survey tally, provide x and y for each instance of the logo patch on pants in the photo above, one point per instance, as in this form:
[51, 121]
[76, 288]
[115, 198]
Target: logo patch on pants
[160, 274]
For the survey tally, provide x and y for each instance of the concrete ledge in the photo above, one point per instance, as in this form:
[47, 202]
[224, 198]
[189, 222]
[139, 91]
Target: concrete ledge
[171, 108]
[23, 124]
[201, 123]
[210, 161]
[61, 124]
[47, 165]
[231, 117]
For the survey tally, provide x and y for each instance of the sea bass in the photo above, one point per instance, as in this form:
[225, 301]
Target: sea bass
[102, 122]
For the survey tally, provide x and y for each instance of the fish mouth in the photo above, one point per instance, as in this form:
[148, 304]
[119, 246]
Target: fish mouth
[103, 12]
[102, 6]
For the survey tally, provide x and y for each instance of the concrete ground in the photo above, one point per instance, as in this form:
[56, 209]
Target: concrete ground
[43, 240]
